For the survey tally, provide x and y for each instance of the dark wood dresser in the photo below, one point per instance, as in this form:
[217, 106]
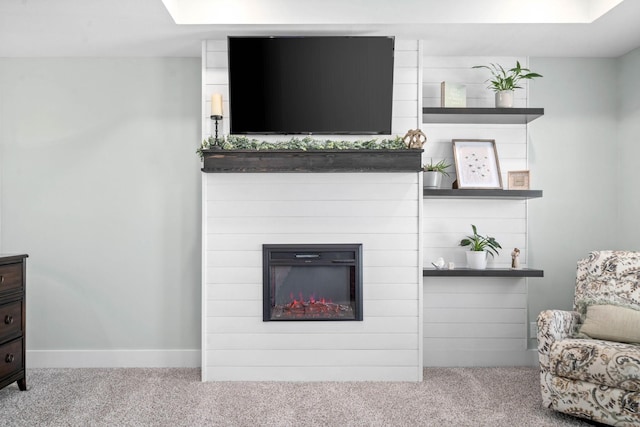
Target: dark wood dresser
[12, 320]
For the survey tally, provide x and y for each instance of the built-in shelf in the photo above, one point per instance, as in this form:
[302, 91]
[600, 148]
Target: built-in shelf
[481, 115]
[429, 193]
[489, 272]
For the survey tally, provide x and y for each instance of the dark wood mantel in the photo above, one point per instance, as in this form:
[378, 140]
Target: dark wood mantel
[312, 160]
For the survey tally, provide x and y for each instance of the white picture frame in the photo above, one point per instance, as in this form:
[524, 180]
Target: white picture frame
[477, 165]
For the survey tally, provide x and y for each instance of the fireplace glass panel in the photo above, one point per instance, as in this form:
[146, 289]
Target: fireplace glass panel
[322, 292]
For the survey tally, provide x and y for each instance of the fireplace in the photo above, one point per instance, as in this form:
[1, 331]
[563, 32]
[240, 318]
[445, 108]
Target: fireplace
[312, 282]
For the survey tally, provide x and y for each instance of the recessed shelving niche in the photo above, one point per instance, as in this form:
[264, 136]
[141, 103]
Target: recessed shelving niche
[520, 116]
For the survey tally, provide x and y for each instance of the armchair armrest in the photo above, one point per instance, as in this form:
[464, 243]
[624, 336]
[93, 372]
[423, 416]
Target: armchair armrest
[554, 325]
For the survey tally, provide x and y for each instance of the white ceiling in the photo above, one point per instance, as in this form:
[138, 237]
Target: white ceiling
[385, 11]
[108, 28]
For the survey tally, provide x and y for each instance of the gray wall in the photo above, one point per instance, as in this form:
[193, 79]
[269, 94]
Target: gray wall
[101, 187]
[628, 180]
[574, 158]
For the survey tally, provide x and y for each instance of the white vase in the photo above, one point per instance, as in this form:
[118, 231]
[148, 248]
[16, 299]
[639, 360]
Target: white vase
[504, 99]
[477, 260]
[431, 179]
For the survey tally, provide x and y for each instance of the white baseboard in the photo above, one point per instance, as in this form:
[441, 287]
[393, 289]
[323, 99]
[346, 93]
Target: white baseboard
[113, 358]
[192, 358]
[447, 358]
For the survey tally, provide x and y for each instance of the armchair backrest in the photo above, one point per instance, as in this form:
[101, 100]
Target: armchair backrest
[608, 277]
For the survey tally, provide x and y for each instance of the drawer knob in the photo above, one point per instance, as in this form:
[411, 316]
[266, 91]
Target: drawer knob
[1, 279]
[8, 319]
[9, 359]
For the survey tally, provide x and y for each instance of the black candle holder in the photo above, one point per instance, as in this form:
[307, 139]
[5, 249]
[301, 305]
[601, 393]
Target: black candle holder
[216, 119]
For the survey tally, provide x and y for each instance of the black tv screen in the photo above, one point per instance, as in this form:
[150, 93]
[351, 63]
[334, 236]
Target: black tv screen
[310, 85]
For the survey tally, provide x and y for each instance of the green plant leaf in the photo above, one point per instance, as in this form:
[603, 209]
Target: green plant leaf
[441, 167]
[506, 80]
[236, 142]
[480, 243]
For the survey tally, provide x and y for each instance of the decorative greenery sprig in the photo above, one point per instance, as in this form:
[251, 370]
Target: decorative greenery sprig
[480, 243]
[233, 142]
[507, 79]
[441, 167]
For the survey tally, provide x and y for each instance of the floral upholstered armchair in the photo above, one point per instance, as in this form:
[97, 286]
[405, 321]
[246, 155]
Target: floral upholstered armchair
[590, 357]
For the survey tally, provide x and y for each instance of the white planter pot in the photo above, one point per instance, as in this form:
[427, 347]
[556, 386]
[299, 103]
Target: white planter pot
[504, 99]
[477, 260]
[431, 179]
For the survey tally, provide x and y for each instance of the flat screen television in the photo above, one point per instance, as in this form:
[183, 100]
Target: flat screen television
[310, 85]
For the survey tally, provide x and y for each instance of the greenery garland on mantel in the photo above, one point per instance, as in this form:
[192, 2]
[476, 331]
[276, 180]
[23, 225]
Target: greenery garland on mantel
[307, 143]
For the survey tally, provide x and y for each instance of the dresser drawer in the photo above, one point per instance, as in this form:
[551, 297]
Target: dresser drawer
[10, 320]
[10, 277]
[11, 357]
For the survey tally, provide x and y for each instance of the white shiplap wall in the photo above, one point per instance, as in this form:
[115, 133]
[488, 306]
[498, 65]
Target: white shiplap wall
[244, 211]
[381, 211]
[215, 79]
[474, 321]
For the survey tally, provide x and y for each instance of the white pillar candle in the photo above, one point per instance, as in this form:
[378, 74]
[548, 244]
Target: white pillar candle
[216, 104]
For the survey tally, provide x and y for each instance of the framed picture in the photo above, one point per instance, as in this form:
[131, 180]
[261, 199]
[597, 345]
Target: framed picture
[477, 163]
[518, 180]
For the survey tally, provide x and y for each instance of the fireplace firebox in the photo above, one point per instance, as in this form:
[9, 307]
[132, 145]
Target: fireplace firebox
[312, 282]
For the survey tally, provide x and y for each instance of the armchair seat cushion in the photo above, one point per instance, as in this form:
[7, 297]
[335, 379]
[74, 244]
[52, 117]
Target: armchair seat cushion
[597, 361]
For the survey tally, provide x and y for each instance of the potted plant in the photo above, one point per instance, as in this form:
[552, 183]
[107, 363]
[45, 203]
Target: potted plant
[480, 248]
[432, 173]
[504, 82]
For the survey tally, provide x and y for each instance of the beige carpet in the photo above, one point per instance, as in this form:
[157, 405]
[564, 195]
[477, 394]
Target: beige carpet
[176, 397]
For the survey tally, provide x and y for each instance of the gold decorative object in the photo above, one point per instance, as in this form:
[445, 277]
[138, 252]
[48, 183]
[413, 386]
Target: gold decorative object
[415, 138]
